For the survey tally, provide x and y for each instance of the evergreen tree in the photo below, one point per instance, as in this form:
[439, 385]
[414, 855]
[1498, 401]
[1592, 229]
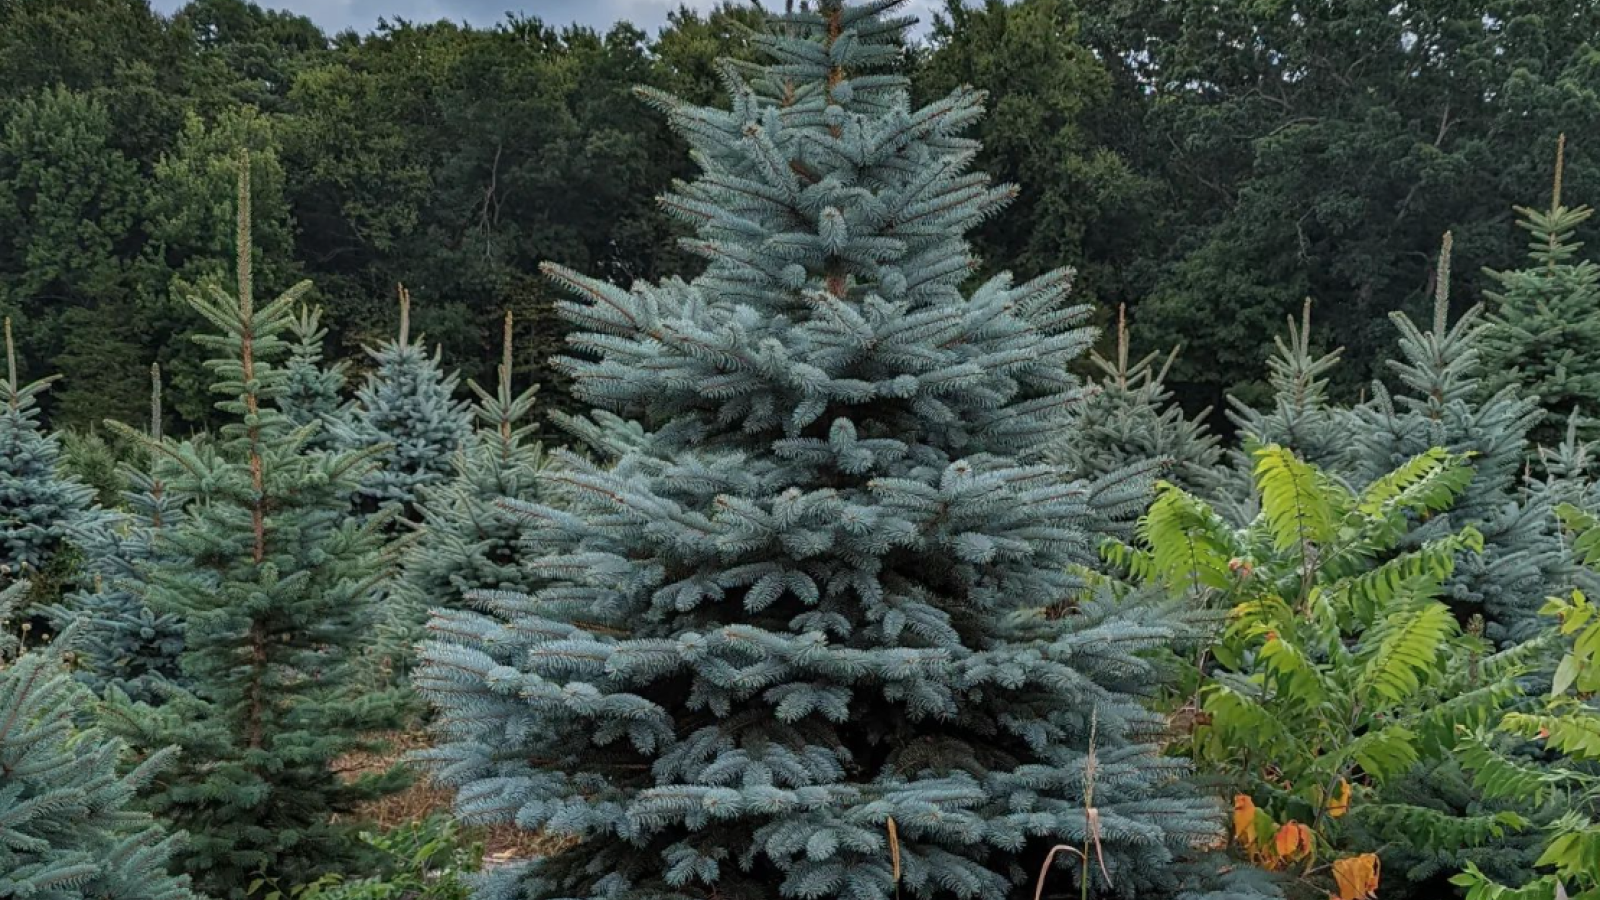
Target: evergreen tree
[39, 506]
[275, 585]
[1301, 417]
[69, 830]
[407, 406]
[470, 544]
[1132, 418]
[1544, 334]
[123, 642]
[311, 389]
[1438, 405]
[798, 642]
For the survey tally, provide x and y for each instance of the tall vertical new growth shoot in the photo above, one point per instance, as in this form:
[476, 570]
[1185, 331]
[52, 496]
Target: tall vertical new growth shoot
[276, 588]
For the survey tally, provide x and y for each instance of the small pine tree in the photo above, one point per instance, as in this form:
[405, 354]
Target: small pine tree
[40, 507]
[470, 543]
[275, 585]
[1132, 419]
[1301, 417]
[124, 643]
[70, 829]
[820, 634]
[1544, 335]
[310, 388]
[1438, 405]
[407, 405]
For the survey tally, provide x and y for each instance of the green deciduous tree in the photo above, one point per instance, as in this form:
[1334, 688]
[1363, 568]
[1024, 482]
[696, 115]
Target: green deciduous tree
[1318, 149]
[1054, 128]
[1342, 676]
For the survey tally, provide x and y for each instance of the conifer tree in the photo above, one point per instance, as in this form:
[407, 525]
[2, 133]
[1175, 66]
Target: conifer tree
[1301, 417]
[310, 388]
[70, 829]
[39, 506]
[1438, 404]
[469, 543]
[275, 585]
[407, 405]
[798, 641]
[1132, 419]
[123, 643]
[1545, 335]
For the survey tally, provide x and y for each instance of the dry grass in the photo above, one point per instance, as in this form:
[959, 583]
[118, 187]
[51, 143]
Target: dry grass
[423, 798]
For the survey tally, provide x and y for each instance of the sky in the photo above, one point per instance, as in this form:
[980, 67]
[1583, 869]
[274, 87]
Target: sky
[336, 15]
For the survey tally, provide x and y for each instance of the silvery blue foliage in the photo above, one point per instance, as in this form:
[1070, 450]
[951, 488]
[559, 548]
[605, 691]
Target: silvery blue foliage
[1439, 402]
[468, 542]
[122, 642]
[823, 589]
[310, 388]
[70, 829]
[407, 404]
[39, 505]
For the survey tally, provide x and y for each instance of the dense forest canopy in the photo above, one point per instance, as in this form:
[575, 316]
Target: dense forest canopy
[1208, 164]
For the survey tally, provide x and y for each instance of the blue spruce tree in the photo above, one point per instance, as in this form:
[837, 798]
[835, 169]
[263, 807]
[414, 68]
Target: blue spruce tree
[407, 405]
[470, 544]
[1301, 417]
[1439, 404]
[68, 827]
[275, 585]
[1131, 418]
[311, 388]
[40, 507]
[821, 633]
[1544, 334]
[122, 642]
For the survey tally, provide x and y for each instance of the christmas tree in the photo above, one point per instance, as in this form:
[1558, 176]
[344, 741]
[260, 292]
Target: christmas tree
[69, 830]
[1544, 334]
[406, 405]
[821, 634]
[470, 543]
[122, 641]
[310, 388]
[1132, 419]
[39, 506]
[275, 585]
[1301, 417]
[1439, 405]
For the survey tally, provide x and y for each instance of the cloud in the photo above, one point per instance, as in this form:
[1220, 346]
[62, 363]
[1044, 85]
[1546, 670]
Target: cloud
[362, 15]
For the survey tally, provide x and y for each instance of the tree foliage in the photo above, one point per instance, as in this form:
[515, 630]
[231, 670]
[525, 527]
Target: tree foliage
[1341, 675]
[799, 640]
[71, 825]
[276, 586]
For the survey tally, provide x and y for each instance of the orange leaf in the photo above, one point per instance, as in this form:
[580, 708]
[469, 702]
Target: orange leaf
[1339, 803]
[1287, 840]
[1244, 819]
[1357, 876]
